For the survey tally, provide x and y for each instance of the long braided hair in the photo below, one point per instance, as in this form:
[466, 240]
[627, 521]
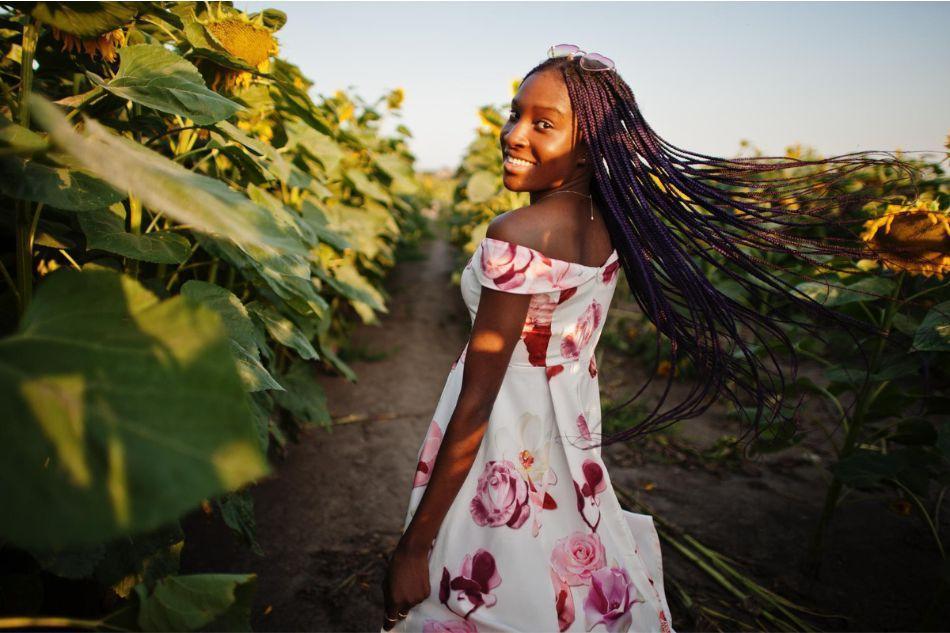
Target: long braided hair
[664, 205]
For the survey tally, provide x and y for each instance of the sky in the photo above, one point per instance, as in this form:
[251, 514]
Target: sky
[835, 76]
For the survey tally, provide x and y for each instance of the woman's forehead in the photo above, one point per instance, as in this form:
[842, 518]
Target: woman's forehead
[544, 91]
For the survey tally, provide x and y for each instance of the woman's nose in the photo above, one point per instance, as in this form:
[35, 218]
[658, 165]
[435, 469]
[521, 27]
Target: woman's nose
[514, 137]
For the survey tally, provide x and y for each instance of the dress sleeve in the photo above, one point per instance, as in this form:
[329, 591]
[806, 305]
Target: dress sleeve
[510, 267]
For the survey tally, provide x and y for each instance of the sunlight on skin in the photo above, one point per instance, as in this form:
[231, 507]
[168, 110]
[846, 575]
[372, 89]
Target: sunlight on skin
[489, 342]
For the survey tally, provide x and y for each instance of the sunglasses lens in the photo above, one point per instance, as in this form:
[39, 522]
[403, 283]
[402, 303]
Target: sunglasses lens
[562, 50]
[595, 61]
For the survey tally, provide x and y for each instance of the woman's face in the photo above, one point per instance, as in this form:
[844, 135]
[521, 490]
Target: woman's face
[541, 130]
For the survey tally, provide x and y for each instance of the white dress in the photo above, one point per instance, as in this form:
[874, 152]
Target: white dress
[536, 540]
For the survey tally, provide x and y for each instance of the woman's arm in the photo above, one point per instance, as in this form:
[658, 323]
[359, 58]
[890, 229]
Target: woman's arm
[497, 328]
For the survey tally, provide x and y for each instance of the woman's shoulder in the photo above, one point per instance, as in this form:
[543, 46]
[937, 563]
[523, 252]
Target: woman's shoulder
[518, 226]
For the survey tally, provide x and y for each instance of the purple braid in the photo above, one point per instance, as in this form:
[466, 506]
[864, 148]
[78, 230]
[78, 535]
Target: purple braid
[657, 231]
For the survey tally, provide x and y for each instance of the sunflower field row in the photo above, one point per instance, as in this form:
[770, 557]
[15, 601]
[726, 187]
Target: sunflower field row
[188, 235]
[896, 417]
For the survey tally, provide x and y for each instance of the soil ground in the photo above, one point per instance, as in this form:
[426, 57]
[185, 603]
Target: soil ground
[332, 511]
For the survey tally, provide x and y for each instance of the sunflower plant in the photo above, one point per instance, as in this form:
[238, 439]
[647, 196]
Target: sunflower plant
[192, 236]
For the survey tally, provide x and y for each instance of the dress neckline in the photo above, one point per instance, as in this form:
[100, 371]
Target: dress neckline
[610, 258]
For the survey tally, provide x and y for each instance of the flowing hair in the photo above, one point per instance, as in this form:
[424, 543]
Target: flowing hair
[665, 206]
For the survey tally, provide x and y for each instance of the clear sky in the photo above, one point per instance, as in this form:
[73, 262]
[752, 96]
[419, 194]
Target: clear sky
[837, 76]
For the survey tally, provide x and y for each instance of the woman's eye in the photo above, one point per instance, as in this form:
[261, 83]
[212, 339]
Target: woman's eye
[546, 123]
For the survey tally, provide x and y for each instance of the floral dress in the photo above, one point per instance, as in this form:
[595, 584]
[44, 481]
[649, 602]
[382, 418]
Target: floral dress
[536, 540]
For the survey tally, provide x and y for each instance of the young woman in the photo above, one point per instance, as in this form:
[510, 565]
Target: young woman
[513, 524]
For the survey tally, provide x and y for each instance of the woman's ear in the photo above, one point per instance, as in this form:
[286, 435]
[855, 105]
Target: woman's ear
[581, 151]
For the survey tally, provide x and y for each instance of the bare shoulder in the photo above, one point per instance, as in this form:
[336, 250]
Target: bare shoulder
[523, 226]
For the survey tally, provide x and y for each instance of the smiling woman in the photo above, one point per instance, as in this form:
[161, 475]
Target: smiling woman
[513, 524]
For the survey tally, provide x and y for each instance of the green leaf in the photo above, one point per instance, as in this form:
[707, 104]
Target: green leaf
[273, 19]
[146, 558]
[16, 139]
[366, 187]
[246, 339]
[933, 335]
[237, 510]
[253, 373]
[153, 76]
[121, 412]
[905, 324]
[481, 187]
[304, 396]
[288, 276]
[275, 164]
[209, 602]
[316, 219]
[319, 145]
[283, 330]
[834, 295]
[863, 468]
[85, 19]
[105, 230]
[58, 187]
[348, 281]
[399, 169]
[234, 315]
[207, 204]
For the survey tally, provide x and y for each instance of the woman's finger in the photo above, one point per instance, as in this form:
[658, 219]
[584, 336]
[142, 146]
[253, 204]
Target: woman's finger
[392, 619]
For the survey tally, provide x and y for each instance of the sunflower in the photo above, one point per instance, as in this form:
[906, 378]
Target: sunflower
[914, 238]
[244, 38]
[259, 125]
[105, 45]
[491, 119]
[394, 99]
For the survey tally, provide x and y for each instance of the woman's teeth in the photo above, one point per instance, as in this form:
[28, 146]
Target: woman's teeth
[518, 161]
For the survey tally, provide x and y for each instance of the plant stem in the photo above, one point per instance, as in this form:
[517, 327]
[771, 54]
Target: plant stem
[24, 219]
[923, 512]
[10, 282]
[24, 622]
[862, 402]
[174, 277]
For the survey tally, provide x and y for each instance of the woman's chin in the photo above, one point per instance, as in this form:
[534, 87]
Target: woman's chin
[513, 182]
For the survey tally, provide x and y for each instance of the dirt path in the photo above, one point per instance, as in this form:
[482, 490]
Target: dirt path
[335, 508]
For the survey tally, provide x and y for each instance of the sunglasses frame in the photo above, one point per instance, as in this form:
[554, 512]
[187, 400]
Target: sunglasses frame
[573, 51]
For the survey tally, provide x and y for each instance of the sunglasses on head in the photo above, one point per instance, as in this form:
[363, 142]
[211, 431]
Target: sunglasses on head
[588, 61]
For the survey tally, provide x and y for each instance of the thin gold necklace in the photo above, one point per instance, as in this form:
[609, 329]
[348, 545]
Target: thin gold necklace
[578, 193]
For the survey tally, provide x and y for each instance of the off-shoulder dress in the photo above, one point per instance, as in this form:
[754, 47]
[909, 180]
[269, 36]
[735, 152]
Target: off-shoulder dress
[536, 540]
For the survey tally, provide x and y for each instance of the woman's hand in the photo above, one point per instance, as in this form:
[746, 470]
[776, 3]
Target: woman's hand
[406, 583]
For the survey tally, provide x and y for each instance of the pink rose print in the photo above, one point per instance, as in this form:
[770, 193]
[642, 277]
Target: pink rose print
[594, 484]
[582, 427]
[609, 600]
[504, 263]
[537, 328]
[501, 496]
[562, 274]
[477, 578]
[576, 337]
[610, 272]
[563, 601]
[449, 626]
[576, 556]
[430, 449]
[592, 367]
